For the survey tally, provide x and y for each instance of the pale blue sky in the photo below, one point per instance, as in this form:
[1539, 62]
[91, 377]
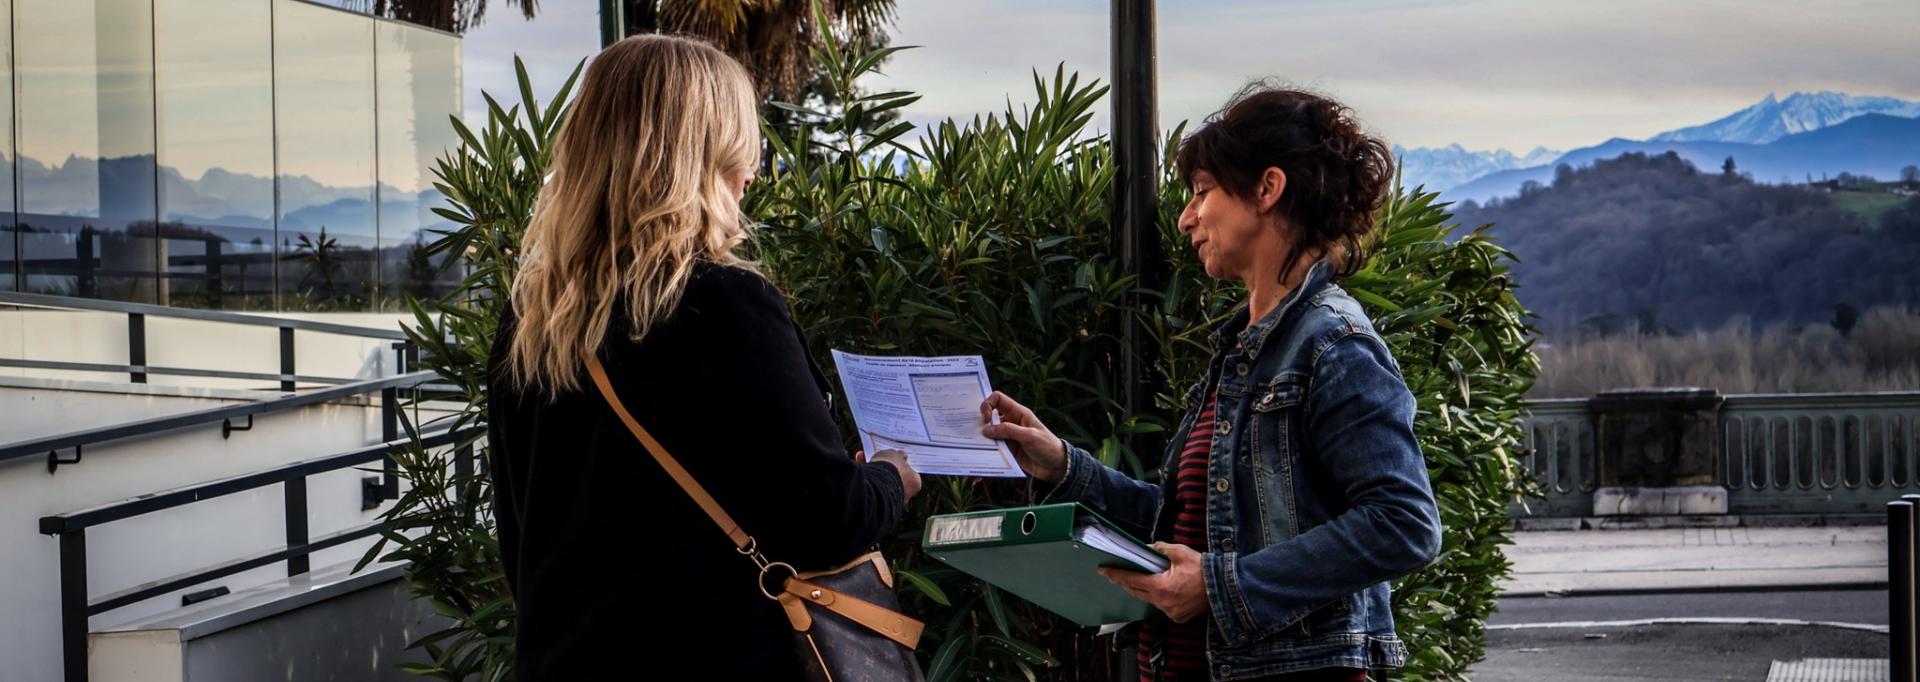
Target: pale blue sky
[1483, 73]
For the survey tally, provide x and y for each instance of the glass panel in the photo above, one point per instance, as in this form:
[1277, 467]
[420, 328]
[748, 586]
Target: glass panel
[323, 85]
[9, 262]
[419, 80]
[85, 136]
[215, 87]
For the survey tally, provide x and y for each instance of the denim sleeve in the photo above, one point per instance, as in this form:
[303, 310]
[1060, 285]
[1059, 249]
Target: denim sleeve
[1359, 429]
[1125, 501]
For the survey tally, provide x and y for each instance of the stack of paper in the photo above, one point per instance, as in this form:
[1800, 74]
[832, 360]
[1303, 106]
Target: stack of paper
[1113, 542]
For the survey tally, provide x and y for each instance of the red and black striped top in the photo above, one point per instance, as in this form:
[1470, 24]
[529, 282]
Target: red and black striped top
[1183, 646]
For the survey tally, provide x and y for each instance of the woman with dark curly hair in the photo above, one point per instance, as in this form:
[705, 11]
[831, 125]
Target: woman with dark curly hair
[1293, 490]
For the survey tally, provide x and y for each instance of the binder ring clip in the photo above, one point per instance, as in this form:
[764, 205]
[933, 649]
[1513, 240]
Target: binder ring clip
[1027, 523]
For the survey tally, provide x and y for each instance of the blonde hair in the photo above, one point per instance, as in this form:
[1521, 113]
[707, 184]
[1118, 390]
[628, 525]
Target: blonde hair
[636, 198]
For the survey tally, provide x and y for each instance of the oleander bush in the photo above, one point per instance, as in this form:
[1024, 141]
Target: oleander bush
[988, 237]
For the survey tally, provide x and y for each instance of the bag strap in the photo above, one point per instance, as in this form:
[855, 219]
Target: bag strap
[741, 540]
[879, 619]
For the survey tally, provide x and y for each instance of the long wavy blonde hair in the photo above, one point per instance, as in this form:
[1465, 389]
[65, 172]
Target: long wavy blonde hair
[637, 196]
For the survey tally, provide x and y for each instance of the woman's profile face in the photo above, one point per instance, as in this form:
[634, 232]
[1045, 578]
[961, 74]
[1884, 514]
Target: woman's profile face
[1227, 232]
[737, 182]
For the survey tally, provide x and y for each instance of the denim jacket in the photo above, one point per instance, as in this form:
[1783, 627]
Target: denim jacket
[1317, 491]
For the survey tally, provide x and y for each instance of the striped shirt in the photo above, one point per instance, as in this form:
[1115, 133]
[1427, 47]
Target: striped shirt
[1182, 647]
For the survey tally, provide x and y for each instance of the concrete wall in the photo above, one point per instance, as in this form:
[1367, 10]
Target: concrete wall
[357, 631]
[143, 549]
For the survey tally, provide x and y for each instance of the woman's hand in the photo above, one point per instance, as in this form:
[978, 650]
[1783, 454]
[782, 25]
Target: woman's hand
[909, 479]
[1039, 451]
[1180, 592]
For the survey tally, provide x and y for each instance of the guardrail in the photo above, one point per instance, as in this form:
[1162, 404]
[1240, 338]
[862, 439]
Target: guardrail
[71, 527]
[75, 605]
[1829, 453]
[136, 366]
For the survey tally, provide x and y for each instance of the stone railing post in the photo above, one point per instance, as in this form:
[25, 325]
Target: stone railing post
[1659, 452]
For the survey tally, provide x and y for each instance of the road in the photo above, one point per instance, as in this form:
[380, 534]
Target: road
[1675, 652]
[1854, 606]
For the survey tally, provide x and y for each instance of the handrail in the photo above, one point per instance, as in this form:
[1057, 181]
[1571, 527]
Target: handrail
[76, 605]
[101, 305]
[1820, 400]
[155, 425]
[158, 370]
[55, 524]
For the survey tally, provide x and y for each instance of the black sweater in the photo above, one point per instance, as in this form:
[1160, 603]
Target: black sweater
[616, 573]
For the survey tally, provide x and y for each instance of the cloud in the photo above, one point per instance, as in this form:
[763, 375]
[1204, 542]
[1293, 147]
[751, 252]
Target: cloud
[551, 45]
[1485, 73]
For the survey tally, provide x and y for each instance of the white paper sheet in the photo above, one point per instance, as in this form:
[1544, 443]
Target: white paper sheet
[928, 408]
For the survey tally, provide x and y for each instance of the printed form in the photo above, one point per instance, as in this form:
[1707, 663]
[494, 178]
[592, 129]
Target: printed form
[928, 408]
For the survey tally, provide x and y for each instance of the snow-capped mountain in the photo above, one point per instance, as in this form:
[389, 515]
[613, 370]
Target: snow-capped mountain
[1772, 118]
[1444, 167]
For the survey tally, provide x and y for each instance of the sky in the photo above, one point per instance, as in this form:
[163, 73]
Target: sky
[1485, 74]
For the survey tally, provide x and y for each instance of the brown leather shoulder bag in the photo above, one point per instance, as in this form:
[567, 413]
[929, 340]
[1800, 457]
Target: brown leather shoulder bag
[846, 622]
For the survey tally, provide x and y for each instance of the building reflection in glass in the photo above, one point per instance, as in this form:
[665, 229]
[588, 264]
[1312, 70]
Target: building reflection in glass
[85, 131]
[415, 100]
[242, 154]
[214, 77]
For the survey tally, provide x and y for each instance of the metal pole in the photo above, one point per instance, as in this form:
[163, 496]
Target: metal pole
[389, 432]
[137, 347]
[73, 605]
[1900, 590]
[613, 21]
[296, 513]
[1136, 187]
[286, 359]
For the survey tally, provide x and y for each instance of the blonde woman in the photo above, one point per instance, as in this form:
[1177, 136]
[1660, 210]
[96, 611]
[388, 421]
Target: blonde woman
[615, 571]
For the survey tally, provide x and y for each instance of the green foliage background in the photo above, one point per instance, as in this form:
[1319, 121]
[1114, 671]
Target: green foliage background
[990, 237]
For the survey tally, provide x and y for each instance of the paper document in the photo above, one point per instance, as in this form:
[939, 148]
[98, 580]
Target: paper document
[1112, 542]
[928, 408]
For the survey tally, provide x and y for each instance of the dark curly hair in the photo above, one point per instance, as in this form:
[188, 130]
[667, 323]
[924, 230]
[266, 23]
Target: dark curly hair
[1337, 175]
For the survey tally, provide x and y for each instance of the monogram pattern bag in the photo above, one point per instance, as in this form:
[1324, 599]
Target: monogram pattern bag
[847, 625]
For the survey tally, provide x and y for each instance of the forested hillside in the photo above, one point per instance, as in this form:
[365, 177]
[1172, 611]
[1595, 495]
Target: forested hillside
[1654, 243]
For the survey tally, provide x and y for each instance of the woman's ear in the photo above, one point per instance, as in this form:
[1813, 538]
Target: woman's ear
[1267, 192]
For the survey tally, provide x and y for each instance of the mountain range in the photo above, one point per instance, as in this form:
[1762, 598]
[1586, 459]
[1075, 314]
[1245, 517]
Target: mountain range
[1771, 119]
[1802, 136]
[238, 206]
[1438, 168]
[1874, 144]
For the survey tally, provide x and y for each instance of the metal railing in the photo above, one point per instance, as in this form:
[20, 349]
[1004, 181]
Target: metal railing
[136, 366]
[1776, 453]
[1562, 455]
[75, 604]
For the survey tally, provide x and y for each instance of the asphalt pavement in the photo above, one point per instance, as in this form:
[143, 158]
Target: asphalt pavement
[1690, 604]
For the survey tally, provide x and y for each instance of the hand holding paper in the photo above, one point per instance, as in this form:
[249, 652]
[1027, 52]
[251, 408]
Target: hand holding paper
[1034, 445]
[927, 407]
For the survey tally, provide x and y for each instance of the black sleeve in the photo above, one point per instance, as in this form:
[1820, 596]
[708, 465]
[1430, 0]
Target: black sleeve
[811, 504]
[506, 519]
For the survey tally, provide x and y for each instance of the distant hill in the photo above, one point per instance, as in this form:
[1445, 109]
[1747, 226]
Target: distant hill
[1771, 119]
[1870, 144]
[1651, 239]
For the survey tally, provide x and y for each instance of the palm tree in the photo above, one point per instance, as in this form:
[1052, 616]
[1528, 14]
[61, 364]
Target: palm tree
[773, 38]
[457, 16]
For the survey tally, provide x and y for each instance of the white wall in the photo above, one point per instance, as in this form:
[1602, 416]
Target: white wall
[143, 549]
